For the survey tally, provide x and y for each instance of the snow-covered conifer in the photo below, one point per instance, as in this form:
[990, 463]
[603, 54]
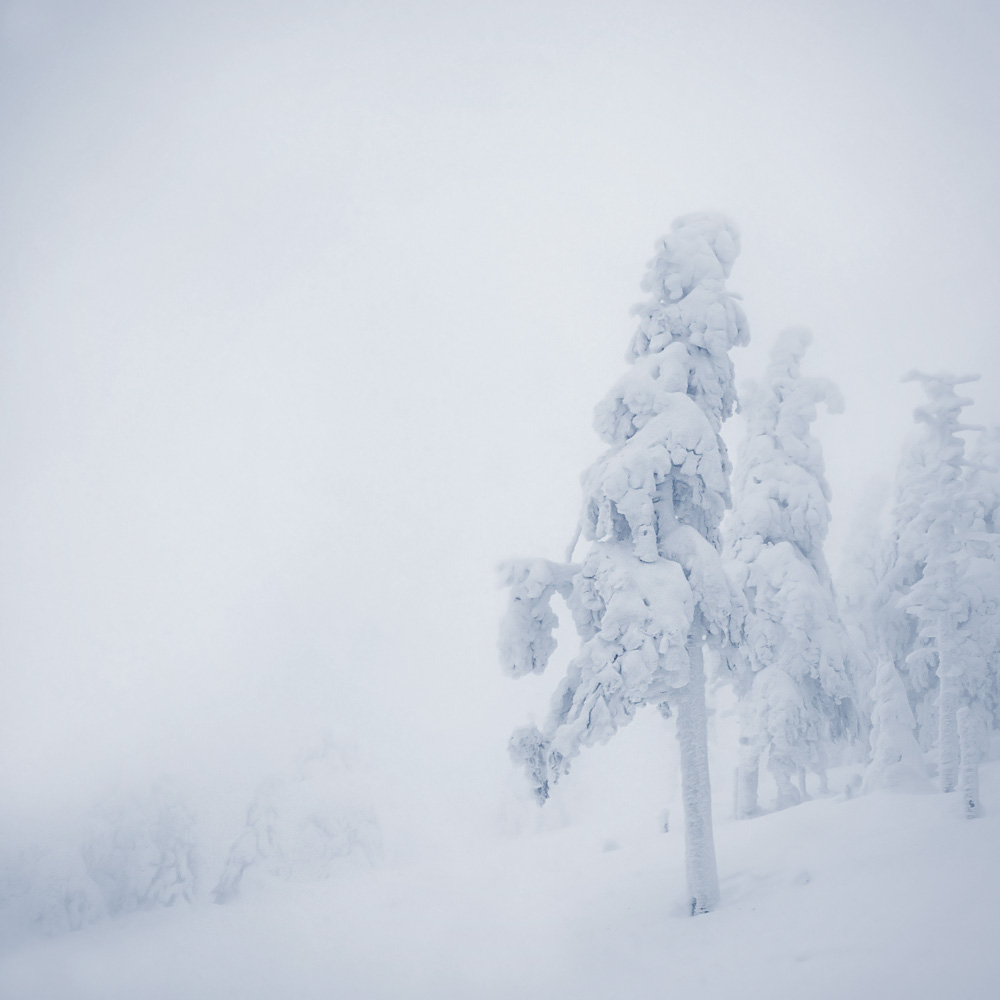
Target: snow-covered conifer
[897, 763]
[651, 590]
[981, 482]
[796, 691]
[928, 475]
[952, 581]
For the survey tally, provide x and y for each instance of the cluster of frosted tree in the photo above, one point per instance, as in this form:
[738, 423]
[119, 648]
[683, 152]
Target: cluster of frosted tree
[903, 658]
[142, 852]
[651, 592]
[135, 852]
[797, 700]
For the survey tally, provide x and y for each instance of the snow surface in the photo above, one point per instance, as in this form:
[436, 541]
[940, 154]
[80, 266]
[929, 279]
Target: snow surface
[872, 896]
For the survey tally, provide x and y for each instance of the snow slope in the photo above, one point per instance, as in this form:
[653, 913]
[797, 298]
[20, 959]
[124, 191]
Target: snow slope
[877, 896]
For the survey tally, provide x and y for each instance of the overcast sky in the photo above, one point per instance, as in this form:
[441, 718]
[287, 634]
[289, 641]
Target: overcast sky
[305, 307]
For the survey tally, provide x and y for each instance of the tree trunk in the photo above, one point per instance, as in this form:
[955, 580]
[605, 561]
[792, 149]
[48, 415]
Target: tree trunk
[748, 761]
[747, 778]
[783, 771]
[969, 741]
[692, 735]
[948, 748]
[803, 790]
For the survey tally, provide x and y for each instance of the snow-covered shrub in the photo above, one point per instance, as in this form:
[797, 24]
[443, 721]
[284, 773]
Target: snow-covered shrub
[46, 888]
[304, 826]
[142, 851]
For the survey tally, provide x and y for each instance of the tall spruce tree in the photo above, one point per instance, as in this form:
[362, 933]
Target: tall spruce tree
[928, 478]
[796, 691]
[651, 591]
[943, 577]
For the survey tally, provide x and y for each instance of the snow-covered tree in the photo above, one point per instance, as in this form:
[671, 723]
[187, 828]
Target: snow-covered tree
[948, 586]
[944, 519]
[897, 763]
[796, 690]
[927, 482]
[981, 481]
[651, 591]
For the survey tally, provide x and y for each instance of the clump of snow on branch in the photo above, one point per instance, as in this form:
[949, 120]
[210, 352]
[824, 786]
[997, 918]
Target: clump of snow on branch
[526, 640]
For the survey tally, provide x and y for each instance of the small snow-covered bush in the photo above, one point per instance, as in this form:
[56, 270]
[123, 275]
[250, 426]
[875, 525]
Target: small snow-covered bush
[305, 825]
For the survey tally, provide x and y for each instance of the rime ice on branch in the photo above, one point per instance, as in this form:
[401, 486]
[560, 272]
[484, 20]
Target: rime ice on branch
[651, 591]
[796, 692]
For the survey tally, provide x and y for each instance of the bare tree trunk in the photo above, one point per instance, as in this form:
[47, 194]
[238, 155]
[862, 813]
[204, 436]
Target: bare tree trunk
[692, 735]
[748, 760]
[783, 770]
[803, 790]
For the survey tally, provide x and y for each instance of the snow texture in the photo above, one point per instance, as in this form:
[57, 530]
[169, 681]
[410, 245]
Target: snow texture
[880, 896]
[526, 641]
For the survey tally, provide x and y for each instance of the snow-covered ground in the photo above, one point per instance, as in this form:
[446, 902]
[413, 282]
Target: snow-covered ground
[872, 896]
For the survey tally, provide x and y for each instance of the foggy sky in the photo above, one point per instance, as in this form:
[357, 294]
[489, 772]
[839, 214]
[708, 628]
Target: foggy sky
[305, 308]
